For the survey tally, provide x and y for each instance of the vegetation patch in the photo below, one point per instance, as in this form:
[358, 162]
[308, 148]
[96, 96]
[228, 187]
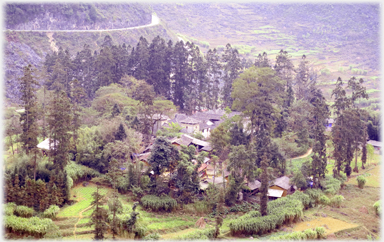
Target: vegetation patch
[332, 225]
[84, 199]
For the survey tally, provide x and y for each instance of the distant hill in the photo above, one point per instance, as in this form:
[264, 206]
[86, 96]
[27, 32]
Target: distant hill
[350, 30]
[70, 16]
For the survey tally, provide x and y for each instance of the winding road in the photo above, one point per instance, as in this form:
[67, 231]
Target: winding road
[155, 21]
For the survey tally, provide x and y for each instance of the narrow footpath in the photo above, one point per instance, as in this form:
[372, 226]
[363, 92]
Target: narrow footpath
[80, 217]
[303, 156]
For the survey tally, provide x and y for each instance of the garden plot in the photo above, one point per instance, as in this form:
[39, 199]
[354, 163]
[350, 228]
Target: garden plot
[331, 225]
[84, 199]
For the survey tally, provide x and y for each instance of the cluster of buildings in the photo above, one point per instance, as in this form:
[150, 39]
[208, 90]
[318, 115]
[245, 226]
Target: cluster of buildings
[205, 122]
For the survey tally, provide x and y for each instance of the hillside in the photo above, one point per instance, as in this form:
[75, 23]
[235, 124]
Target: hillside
[335, 43]
[24, 47]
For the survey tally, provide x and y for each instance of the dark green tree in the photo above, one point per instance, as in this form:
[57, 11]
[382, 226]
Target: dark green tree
[264, 186]
[232, 67]
[162, 155]
[262, 61]
[180, 83]
[99, 216]
[318, 115]
[59, 122]
[29, 117]
[120, 134]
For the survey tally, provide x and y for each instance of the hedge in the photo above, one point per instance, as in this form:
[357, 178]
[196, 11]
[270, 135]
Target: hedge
[308, 234]
[377, 207]
[314, 196]
[33, 226]
[24, 211]
[9, 208]
[280, 211]
[156, 203]
[198, 234]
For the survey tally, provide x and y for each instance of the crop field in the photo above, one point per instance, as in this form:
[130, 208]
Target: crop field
[331, 225]
[83, 198]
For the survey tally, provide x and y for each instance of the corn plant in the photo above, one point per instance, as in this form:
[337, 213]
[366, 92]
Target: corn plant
[377, 207]
[155, 203]
[280, 211]
[33, 226]
[324, 200]
[361, 181]
[24, 211]
[336, 201]
[198, 234]
[9, 208]
[314, 196]
[304, 198]
[51, 212]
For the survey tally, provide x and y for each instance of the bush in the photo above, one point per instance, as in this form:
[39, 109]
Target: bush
[361, 181]
[198, 234]
[331, 185]
[302, 197]
[320, 232]
[299, 180]
[137, 192]
[324, 200]
[10, 208]
[156, 203]
[154, 236]
[51, 212]
[336, 201]
[280, 211]
[314, 196]
[24, 211]
[32, 226]
[377, 207]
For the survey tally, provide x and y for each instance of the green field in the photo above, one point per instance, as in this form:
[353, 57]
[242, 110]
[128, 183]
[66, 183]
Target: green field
[83, 198]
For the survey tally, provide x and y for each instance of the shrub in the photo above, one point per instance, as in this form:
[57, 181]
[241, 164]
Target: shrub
[280, 211]
[51, 212]
[314, 196]
[302, 197]
[361, 181]
[198, 234]
[137, 192]
[336, 201]
[10, 208]
[156, 203]
[320, 232]
[377, 207]
[324, 200]
[32, 226]
[331, 185]
[24, 211]
[154, 236]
